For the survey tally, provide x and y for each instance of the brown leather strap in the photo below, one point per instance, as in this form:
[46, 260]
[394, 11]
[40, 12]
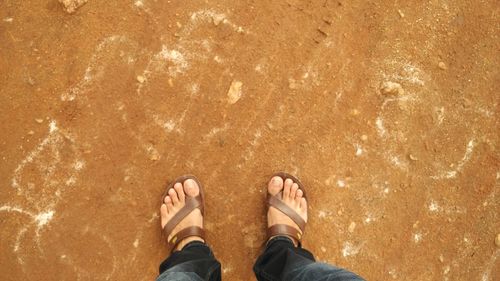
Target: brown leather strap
[276, 202]
[183, 234]
[191, 204]
[283, 229]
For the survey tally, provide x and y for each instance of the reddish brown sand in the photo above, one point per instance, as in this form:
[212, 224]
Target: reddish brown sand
[101, 108]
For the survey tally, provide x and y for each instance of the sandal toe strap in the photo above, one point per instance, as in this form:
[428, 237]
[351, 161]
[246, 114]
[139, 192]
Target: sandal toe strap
[276, 202]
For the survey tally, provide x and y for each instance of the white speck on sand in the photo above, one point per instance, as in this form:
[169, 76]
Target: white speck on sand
[417, 237]
[71, 181]
[350, 249]
[169, 125]
[369, 219]
[380, 127]
[8, 19]
[180, 64]
[398, 162]
[322, 214]
[44, 218]
[218, 59]
[53, 126]
[194, 88]
[79, 164]
[136, 243]
[433, 206]
[351, 227]
[359, 150]
[341, 183]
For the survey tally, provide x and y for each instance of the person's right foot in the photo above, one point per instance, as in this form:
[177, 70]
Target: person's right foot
[292, 197]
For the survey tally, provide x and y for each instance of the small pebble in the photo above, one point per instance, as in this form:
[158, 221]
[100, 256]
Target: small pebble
[497, 240]
[234, 92]
[141, 79]
[39, 120]
[154, 157]
[442, 65]
[340, 183]
[217, 20]
[401, 14]
[31, 81]
[31, 133]
[364, 137]
[323, 249]
[354, 112]
[412, 157]
[391, 88]
[351, 227]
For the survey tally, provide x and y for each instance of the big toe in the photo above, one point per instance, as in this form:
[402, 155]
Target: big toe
[275, 185]
[191, 188]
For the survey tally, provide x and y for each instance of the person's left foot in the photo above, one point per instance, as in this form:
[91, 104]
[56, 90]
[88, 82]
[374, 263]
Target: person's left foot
[174, 202]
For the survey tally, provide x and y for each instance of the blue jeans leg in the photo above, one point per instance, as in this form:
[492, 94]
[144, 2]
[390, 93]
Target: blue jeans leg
[281, 260]
[195, 262]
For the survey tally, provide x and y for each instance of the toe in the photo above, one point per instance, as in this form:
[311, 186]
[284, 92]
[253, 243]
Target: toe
[191, 187]
[287, 188]
[298, 196]
[163, 211]
[293, 191]
[275, 185]
[303, 204]
[173, 195]
[180, 192]
[168, 202]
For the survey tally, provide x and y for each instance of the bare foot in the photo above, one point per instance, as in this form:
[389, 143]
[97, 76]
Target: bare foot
[293, 197]
[174, 202]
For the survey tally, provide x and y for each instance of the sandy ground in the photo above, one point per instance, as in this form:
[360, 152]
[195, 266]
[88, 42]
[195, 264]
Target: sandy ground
[100, 108]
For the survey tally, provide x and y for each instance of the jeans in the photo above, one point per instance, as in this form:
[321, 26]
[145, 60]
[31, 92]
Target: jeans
[281, 260]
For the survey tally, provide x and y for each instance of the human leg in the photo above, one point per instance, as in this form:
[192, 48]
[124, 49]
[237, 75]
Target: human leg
[195, 262]
[282, 260]
[283, 257]
[182, 213]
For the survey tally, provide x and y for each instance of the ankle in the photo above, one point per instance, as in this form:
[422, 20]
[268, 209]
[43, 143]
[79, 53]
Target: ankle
[294, 241]
[188, 240]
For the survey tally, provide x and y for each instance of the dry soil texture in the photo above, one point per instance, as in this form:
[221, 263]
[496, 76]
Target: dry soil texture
[99, 109]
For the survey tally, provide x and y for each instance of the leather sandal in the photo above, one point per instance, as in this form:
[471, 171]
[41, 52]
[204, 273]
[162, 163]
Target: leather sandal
[276, 202]
[191, 204]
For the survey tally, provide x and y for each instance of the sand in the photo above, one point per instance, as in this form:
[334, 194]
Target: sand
[100, 109]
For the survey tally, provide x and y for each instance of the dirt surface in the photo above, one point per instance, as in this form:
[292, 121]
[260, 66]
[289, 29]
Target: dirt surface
[387, 111]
